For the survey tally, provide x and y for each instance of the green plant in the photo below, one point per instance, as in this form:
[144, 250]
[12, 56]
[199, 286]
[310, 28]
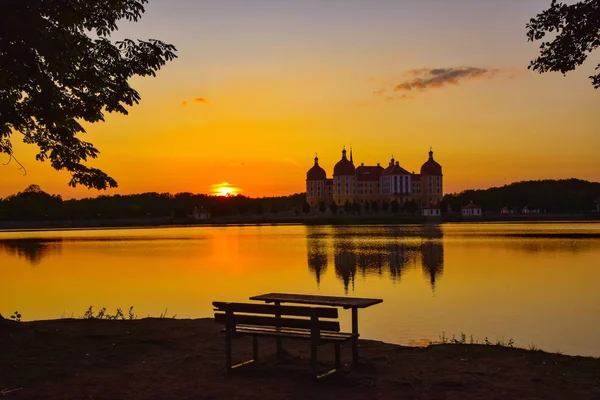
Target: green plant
[16, 316]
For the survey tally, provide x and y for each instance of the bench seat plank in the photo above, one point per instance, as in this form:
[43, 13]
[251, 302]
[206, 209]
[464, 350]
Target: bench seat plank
[260, 308]
[241, 319]
[291, 333]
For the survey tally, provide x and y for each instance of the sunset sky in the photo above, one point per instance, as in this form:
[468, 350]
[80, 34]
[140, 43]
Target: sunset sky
[261, 86]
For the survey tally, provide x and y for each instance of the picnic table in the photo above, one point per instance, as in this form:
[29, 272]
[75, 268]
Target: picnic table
[352, 303]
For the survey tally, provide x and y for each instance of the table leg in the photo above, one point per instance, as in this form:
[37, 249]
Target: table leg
[354, 335]
[278, 340]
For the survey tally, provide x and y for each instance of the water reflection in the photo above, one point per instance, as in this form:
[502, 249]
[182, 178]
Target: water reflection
[32, 250]
[393, 249]
[317, 257]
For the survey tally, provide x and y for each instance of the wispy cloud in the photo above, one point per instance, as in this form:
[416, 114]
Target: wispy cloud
[391, 99]
[426, 78]
[198, 100]
[423, 79]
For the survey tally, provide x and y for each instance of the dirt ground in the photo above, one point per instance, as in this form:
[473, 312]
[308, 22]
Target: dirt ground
[184, 359]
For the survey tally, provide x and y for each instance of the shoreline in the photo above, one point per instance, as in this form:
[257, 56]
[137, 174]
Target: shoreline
[9, 226]
[157, 358]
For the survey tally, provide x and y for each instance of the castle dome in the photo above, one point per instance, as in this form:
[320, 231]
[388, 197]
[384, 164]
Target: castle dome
[431, 167]
[316, 173]
[344, 166]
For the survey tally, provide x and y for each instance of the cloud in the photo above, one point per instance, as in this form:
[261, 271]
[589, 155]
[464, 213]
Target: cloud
[435, 78]
[199, 100]
[391, 99]
[380, 91]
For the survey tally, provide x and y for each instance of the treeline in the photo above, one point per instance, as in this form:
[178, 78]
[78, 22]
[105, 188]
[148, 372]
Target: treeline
[33, 204]
[550, 196]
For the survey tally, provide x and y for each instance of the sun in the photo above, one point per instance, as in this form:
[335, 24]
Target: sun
[225, 189]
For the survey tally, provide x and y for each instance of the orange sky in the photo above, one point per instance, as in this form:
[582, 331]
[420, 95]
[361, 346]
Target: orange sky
[260, 86]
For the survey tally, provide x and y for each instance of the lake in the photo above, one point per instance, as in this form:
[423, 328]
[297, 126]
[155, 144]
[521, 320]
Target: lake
[534, 283]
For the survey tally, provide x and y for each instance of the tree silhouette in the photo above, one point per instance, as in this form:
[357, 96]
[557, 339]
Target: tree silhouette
[58, 68]
[333, 207]
[347, 207]
[577, 28]
[553, 196]
[385, 205]
[395, 206]
[375, 206]
[410, 207]
[322, 206]
[305, 207]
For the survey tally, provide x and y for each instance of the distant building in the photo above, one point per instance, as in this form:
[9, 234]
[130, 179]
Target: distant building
[526, 210]
[200, 213]
[505, 210]
[373, 183]
[598, 204]
[431, 210]
[471, 210]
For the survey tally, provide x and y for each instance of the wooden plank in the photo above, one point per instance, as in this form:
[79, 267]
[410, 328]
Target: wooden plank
[259, 308]
[333, 301]
[281, 322]
[293, 334]
[293, 331]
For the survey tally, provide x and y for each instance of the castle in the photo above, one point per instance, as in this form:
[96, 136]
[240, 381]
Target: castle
[369, 184]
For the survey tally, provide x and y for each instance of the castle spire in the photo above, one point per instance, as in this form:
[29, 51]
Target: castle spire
[316, 158]
[352, 161]
[430, 153]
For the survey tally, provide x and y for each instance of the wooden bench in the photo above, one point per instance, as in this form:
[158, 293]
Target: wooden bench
[318, 325]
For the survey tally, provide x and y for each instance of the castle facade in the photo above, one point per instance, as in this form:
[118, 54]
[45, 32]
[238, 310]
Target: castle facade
[374, 183]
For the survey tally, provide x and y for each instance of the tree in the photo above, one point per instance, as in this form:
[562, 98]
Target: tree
[577, 28]
[356, 208]
[374, 206]
[333, 208]
[322, 206]
[395, 206]
[385, 205]
[347, 207]
[410, 207]
[58, 67]
[305, 207]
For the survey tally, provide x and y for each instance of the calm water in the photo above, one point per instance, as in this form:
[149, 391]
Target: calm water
[534, 283]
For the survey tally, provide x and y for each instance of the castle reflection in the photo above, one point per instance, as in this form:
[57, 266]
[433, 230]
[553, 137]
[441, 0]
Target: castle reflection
[392, 250]
[32, 250]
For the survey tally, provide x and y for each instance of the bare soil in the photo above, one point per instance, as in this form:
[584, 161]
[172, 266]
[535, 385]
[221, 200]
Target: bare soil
[184, 359]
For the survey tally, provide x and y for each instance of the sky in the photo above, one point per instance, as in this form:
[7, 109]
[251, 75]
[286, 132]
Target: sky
[261, 86]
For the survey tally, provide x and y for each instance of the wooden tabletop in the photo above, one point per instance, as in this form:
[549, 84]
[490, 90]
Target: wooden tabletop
[346, 302]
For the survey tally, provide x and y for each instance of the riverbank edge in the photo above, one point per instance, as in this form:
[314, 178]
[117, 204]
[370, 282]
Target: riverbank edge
[388, 219]
[183, 358]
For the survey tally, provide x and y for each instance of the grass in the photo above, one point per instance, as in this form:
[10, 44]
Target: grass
[463, 339]
[102, 313]
[118, 315]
